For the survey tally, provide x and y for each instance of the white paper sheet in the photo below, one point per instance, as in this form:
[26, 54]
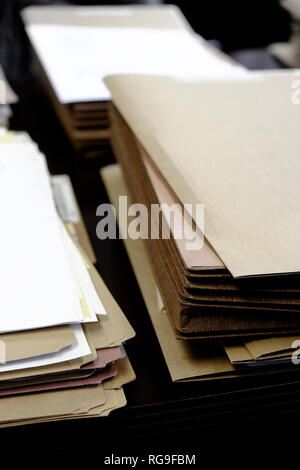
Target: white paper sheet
[85, 285]
[77, 58]
[79, 348]
[36, 282]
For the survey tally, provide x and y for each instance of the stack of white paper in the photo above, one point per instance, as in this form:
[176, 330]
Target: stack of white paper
[77, 58]
[55, 350]
[35, 264]
[77, 47]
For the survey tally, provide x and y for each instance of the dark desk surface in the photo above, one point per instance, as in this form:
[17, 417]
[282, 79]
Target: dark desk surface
[156, 415]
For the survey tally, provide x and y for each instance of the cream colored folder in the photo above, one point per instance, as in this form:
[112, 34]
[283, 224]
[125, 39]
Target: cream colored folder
[263, 349]
[234, 146]
[83, 402]
[31, 343]
[186, 360]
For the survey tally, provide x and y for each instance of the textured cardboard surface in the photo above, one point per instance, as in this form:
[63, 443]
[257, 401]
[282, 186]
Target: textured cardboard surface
[232, 146]
[219, 316]
[186, 360]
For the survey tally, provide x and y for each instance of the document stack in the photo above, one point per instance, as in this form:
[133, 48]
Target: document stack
[76, 47]
[7, 97]
[62, 333]
[230, 308]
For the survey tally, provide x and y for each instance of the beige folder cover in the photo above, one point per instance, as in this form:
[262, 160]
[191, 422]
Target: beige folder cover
[262, 349]
[124, 376]
[234, 146]
[32, 343]
[83, 402]
[186, 360]
[113, 399]
[61, 402]
[204, 258]
[181, 363]
[239, 354]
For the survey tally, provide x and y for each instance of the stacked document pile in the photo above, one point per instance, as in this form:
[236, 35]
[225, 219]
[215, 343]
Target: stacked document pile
[7, 97]
[62, 333]
[77, 46]
[230, 308]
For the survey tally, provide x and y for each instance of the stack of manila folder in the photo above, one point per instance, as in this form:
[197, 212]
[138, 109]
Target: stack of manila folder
[230, 309]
